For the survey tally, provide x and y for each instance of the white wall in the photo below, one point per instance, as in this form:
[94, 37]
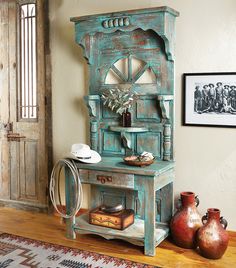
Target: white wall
[205, 42]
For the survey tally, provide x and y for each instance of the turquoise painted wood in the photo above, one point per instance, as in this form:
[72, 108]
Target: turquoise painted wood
[146, 35]
[125, 46]
[70, 203]
[148, 191]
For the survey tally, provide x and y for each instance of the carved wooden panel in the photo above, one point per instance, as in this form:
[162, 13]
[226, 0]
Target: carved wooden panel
[111, 143]
[125, 197]
[147, 109]
[150, 142]
[29, 169]
[164, 204]
[24, 170]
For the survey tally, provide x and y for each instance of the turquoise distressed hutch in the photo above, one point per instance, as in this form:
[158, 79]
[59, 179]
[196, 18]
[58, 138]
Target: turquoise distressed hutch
[133, 49]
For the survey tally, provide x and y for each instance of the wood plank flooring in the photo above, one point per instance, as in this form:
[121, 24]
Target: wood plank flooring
[51, 228]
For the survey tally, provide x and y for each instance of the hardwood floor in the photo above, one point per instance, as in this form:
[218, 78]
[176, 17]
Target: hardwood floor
[51, 228]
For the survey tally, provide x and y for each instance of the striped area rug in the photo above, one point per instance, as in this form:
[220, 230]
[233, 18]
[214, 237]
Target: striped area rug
[20, 252]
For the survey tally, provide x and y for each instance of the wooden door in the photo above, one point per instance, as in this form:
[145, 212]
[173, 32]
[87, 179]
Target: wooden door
[24, 115]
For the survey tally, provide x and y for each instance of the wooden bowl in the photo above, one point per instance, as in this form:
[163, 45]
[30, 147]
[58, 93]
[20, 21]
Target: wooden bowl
[134, 161]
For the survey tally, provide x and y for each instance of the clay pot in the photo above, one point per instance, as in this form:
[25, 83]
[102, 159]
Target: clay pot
[212, 238]
[186, 221]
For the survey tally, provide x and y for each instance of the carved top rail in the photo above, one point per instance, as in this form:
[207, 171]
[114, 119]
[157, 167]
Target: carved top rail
[159, 19]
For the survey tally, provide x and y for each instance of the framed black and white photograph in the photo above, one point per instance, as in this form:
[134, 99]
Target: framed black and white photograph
[210, 99]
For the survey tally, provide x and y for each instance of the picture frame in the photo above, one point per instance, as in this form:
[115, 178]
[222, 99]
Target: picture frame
[209, 99]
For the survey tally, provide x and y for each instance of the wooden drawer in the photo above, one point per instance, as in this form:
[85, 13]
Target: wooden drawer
[107, 178]
[83, 173]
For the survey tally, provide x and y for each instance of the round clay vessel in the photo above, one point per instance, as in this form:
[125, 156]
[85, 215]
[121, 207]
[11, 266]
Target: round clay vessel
[186, 221]
[212, 238]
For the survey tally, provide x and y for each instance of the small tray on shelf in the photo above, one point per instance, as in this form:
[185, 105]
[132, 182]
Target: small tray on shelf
[136, 161]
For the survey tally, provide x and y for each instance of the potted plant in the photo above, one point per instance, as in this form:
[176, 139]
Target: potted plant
[120, 100]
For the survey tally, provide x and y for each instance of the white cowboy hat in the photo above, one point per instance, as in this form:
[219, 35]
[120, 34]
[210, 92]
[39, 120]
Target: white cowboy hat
[83, 153]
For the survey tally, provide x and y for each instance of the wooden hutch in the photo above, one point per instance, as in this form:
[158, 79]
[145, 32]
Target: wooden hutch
[120, 49]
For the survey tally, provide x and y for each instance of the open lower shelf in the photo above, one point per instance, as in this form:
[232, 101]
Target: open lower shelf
[133, 234]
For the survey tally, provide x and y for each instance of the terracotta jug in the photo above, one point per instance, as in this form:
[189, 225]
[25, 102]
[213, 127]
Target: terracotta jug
[186, 221]
[212, 238]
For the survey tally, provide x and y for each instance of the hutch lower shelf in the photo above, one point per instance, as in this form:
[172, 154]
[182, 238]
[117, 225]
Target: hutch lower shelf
[148, 191]
[133, 234]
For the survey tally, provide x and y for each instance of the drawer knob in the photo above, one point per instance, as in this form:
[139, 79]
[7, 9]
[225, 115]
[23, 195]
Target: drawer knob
[104, 179]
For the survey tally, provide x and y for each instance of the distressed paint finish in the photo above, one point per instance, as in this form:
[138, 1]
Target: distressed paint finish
[70, 201]
[161, 20]
[126, 137]
[147, 36]
[136, 188]
[134, 234]
[165, 105]
[93, 104]
[149, 214]
[111, 179]
[117, 165]
[24, 161]
[165, 195]
[167, 142]
[4, 107]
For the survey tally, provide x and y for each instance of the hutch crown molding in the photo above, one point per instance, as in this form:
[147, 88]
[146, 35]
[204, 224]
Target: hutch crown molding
[125, 46]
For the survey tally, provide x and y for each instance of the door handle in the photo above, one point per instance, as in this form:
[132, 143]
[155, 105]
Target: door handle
[14, 137]
[104, 179]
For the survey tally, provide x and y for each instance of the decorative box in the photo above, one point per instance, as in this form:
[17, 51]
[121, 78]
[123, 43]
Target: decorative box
[118, 220]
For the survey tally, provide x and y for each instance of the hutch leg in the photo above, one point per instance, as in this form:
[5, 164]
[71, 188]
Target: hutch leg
[150, 219]
[70, 202]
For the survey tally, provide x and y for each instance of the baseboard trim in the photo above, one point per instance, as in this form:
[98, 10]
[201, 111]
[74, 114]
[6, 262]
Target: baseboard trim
[24, 205]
